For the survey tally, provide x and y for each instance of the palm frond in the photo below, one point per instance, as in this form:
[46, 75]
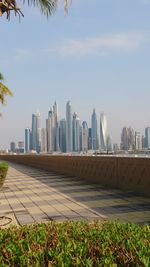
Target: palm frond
[1, 77]
[47, 7]
[4, 91]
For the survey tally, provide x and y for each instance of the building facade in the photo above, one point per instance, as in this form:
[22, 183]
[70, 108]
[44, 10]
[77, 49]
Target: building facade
[69, 139]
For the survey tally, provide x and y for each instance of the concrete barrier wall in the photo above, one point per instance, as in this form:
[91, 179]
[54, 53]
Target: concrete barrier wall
[117, 172]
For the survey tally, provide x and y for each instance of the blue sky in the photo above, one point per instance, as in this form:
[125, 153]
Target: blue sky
[98, 57]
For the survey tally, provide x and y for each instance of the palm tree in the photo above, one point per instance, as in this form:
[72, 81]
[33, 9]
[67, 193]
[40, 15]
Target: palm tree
[4, 91]
[47, 7]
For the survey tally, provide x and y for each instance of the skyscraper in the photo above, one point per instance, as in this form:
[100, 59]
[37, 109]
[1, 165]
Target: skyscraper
[94, 130]
[56, 127]
[27, 140]
[50, 131]
[138, 141]
[63, 135]
[90, 139]
[85, 135]
[43, 140]
[127, 139]
[35, 129]
[109, 144]
[76, 133]
[147, 137]
[69, 127]
[103, 132]
[12, 147]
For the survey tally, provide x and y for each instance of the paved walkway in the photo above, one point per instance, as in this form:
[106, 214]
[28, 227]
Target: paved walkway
[31, 195]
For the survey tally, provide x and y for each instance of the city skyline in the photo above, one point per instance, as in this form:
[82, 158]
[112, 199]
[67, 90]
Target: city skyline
[70, 134]
[61, 117]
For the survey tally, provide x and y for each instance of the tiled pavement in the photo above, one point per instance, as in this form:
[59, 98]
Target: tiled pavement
[31, 195]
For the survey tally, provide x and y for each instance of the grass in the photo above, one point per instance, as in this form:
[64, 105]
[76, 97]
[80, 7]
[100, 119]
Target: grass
[3, 172]
[75, 244]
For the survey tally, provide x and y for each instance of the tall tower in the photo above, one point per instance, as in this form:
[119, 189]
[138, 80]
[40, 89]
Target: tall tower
[35, 130]
[69, 127]
[43, 140]
[127, 139]
[56, 127]
[138, 141]
[50, 131]
[27, 140]
[63, 135]
[147, 137]
[94, 130]
[85, 136]
[103, 132]
[76, 133]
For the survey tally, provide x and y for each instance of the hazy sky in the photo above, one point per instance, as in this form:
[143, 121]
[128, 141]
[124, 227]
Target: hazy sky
[97, 57]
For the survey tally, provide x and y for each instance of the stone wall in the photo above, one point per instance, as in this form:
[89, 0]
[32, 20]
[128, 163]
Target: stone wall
[118, 172]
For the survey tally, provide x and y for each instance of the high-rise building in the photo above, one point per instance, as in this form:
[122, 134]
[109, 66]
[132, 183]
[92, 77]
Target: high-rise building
[12, 147]
[20, 144]
[50, 131]
[27, 140]
[94, 130]
[76, 133]
[103, 132]
[147, 137]
[69, 127]
[20, 148]
[109, 144]
[85, 136]
[35, 131]
[127, 139]
[115, 148]
[43, 140]
[58, 136]
[56, 127]
[90, 139]
[63, 135]
[138, 141]
[124, 139]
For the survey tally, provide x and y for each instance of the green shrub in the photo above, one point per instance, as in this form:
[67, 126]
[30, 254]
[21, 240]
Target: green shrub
[75, 244]
[3, 172]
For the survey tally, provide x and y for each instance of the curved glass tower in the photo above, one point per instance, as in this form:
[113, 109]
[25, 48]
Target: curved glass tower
[103, 132]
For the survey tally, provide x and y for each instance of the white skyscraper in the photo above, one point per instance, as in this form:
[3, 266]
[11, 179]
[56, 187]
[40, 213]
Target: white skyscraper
[127, 139]
[85, 136]
[50, 131]
[43, 140]
[94, 131]
[63, 135]
[56, 127]
[103, 132]
[138, 141]
[35, 129]
[69, 127]
[76, 133]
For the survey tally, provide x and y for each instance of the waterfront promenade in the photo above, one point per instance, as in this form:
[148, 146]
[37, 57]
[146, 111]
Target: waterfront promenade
[31, 195]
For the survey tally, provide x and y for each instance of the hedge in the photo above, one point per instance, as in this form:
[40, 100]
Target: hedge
[3, 172]
[75, 244]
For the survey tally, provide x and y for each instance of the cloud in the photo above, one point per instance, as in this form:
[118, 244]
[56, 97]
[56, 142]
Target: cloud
[101, 45]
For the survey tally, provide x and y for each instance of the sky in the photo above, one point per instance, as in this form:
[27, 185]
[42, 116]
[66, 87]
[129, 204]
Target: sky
[98, 56]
